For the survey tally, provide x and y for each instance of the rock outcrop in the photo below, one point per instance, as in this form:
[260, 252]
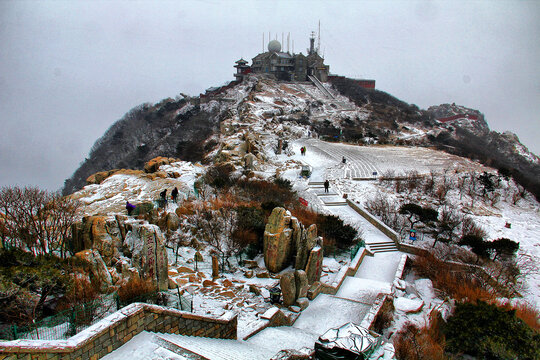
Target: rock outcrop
[153, 165]
[286, 238]
[314, 265]
[288, 288]
[133, 248]
[98, 269]
[278, 240]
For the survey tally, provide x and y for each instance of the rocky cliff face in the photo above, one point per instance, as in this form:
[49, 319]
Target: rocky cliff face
[119, 248]
[171, 128]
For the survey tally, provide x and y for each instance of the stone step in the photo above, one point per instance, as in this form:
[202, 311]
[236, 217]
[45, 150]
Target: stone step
[201, 348]
[336, 203]
[185, 353]
[382, 247]
[384, 251]
[382, 243]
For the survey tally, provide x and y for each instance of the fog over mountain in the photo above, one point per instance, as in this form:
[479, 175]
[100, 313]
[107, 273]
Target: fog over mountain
[69, 70]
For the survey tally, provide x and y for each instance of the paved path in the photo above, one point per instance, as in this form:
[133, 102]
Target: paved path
[359, 163]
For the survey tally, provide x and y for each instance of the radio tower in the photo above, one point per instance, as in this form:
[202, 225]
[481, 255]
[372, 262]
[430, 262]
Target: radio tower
[319, 40]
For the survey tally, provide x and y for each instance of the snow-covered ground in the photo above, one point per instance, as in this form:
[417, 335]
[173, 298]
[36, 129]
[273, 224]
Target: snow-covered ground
[357, 178]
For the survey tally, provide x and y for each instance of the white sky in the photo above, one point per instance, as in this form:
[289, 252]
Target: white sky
[69, 69]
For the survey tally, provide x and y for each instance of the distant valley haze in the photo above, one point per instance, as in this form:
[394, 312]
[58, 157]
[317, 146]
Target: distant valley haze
[70, 69]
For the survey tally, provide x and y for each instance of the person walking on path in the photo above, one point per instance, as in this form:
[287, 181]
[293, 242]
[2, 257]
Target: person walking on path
[174, 194]
[326, 186]
[129, 208]
[163, 198]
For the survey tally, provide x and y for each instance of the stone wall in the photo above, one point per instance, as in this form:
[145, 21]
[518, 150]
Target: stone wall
[375, 222]
[117, 329]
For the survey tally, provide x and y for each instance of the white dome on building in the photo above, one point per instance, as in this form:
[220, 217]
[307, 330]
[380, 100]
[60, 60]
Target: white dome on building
[274, 46]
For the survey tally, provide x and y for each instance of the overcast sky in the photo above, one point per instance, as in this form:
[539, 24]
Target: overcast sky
[70, 69]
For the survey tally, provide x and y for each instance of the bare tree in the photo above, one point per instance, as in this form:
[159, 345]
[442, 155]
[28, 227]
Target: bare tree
[449, 222]
[518, 194]
[36, 220]
[413, 180]
[429, 182]
[471, 187]
[217, 221]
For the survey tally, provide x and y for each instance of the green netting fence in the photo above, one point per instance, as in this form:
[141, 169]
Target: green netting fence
[72, 321]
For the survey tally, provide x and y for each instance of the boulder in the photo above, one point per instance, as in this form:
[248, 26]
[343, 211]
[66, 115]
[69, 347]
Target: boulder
[100, 233]
[172, 221]
[99, 177]
[314, 265]
[215, 267]
[251, 264]
[254, 289]
[154, 164]
[295, 309]
[146, 244]
[408, 306]
[172, 283]
[208, 283]
[277, 240]
[301, 283]
[98, 269]
[263, 275]
[228, 294]
[288, 288]
[302, 302]
[184, 270]
[249, 161]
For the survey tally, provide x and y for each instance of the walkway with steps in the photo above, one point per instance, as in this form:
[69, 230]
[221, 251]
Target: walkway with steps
[358, 165]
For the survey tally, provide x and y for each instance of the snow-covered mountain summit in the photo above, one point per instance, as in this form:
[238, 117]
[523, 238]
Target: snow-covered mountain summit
[201, 128]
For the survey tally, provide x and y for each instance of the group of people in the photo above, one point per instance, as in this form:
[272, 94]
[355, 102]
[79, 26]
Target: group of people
[303, 150]
[162, 200]
[163, 196]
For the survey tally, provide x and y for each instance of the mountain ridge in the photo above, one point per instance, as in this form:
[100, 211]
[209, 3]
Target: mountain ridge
[190, 128]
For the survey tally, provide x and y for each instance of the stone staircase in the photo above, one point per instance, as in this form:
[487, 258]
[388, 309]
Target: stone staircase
[321, 87]
[200, 348]
[380, 247]
[329, 198]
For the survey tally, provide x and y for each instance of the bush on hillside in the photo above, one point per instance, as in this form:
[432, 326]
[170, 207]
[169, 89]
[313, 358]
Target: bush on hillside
[332, 229]
[219, 175]
[488, 332]
[28, 282]
[143, 208]
[418, 343]
[262, 191]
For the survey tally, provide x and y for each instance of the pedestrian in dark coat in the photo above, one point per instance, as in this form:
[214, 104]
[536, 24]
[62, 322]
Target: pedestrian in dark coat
[129, 208]
[163, 199]
[174, 194]
[326, 186]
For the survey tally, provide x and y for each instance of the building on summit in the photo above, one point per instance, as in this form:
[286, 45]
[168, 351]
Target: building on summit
[285, 65]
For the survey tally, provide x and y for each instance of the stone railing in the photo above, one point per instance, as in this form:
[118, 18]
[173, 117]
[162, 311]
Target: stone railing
[332, 289]
[117, 329]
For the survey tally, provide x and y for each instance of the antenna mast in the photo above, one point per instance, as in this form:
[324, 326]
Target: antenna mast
[319, 41]
[263, 43]
[288, 41]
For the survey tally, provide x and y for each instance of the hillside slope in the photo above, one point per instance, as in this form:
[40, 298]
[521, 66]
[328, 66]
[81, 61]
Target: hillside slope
[189, 130]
